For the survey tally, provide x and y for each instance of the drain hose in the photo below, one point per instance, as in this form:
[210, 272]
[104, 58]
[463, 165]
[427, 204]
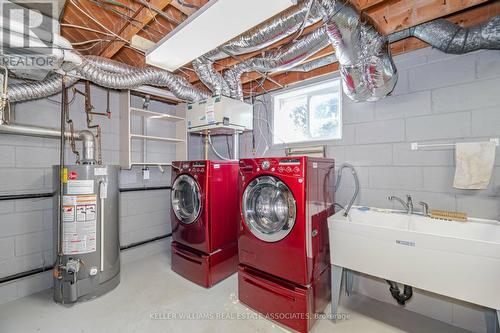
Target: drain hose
[401, 298]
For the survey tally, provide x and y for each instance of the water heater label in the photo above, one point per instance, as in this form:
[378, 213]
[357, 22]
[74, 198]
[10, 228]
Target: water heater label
[80, 186]
[79, 224]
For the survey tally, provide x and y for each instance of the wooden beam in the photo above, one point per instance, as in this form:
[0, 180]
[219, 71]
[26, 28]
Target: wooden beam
[144, 16]
[362, 5]
[400, 14]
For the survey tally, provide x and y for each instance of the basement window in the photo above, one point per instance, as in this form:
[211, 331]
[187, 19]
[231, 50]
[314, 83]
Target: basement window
[311, 113]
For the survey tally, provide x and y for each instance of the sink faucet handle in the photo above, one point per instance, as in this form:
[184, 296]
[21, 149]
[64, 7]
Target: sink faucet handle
[409, 203]
[425, 208]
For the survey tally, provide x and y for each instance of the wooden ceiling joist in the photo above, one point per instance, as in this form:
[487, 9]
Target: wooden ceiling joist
[388, 16]
[144, 16]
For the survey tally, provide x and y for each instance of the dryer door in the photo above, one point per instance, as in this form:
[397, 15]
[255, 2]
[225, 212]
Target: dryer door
[269, 208]
[186, 199]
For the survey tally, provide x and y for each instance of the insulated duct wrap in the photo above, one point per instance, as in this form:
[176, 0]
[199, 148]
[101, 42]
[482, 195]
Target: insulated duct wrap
[452, 38]
[278, 60]
[270, 31]
[367, 70]
[265, 34]
[93, 71]
[38, 89]
[109, 74]
[204, 68]
[366, 67]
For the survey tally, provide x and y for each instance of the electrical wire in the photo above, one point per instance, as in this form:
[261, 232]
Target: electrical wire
[91, 41]
[104, 27]
[117, 3]
[97, 22]
[158, 11]
[188, 5]
[95, 43]
[303, 25]
[76, 26]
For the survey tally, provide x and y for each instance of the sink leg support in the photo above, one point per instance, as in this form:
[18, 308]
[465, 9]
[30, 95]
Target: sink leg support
[336, 283]
[348, 281]
[492, 321]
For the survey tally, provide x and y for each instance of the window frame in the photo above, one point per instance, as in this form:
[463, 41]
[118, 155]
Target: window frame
[305, 85]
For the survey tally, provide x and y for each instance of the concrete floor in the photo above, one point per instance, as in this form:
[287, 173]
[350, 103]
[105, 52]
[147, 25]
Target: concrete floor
[150, 289]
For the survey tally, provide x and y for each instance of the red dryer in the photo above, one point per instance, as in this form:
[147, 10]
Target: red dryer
[205, 220]
[283, 241]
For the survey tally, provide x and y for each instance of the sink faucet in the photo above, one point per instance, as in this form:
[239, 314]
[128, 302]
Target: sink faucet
[408, 205]
[425, 208]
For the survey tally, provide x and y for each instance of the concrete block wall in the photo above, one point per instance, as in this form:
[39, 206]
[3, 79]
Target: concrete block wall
[439, 98]
[26, 167]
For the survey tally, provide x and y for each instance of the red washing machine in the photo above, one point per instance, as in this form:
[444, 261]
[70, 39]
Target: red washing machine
[284, 269]
[205, 220]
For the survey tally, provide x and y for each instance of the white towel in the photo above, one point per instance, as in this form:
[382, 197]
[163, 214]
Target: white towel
[474, 165]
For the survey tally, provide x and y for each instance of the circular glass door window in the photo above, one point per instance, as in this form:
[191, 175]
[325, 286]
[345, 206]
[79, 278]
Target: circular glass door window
[186, 199]
[269, 208]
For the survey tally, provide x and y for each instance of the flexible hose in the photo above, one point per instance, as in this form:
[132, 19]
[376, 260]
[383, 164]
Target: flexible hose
[356, 182]
[215, 151]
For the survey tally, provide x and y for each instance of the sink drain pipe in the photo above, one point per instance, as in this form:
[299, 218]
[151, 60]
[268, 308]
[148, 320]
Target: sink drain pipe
[401, 298]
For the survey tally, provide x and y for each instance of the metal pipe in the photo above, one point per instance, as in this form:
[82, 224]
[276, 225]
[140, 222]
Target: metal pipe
[102, 195]
[36, 131]
[205, 147]
[62, 148]
[88, 146]
[236, 145]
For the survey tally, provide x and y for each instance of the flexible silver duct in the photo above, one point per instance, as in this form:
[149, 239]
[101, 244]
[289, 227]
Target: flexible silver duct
[93, 71]
[109, 74]
[269, 32]
[482, 36]
[265, 34]
[366, 67]
[278, 60]
[38, 89]
[367, 70]
[213, 80]
[452, 38]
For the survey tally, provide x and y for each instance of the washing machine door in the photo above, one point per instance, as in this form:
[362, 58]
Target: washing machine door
[269, 208]
[186, 199]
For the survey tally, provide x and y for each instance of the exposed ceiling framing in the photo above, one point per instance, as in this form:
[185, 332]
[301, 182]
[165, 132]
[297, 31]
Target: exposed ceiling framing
[152, 19]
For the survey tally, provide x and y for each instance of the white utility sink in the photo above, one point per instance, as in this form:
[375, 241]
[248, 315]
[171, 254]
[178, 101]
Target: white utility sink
[457, 259]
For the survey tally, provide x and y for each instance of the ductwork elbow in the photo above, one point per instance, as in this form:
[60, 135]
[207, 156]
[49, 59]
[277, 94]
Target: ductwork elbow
[88, 147]
[365, 63]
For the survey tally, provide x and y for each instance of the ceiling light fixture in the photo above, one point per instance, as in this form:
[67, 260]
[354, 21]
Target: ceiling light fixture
[212, 25]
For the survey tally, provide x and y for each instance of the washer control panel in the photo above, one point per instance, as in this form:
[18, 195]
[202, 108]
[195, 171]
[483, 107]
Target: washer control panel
[283, 166]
